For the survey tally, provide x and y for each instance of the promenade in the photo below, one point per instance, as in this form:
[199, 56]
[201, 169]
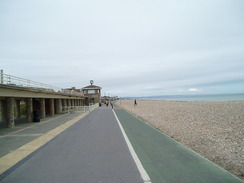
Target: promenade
[90, 148]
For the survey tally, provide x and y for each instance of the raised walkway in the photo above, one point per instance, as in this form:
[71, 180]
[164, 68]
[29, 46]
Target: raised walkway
[90, 148]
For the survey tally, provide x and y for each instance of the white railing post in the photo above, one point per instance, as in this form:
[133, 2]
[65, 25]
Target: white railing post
[1, 77]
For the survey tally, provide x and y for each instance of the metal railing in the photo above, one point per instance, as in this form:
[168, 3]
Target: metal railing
[80, 108]
[6, 79]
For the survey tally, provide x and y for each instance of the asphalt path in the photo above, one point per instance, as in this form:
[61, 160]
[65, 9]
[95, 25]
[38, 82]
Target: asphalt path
[92, 150]
[167, 161]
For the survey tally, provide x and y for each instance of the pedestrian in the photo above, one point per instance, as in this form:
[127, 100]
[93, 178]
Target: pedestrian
[106, 103]
[135, 102]
[112, 105]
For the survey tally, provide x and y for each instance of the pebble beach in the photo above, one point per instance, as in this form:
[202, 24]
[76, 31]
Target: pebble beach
[215, 130]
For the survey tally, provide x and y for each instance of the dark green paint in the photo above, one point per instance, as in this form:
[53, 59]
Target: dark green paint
[167, 161]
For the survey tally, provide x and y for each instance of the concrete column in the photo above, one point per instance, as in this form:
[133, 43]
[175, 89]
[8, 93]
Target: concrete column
[58, 106]
[72, 103]
[2, 107]
[64, 104]
[9, 112]
[69, 102]
[18, 115]
[84, 101]
[42, 108]
[29, 110]
[51, 106]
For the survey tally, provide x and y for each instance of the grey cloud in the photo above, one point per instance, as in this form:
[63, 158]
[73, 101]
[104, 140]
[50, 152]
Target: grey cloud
[126, 47]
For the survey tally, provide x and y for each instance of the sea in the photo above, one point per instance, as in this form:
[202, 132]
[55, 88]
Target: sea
[194, 98]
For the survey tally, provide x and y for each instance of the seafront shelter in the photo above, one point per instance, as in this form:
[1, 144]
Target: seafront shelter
[30, 101]
[33, 105]
[93, 93]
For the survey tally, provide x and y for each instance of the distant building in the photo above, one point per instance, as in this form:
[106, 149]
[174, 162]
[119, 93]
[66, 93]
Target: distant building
[93, 93]
[73, 89]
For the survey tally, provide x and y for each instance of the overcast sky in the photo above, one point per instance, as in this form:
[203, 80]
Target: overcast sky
[129, 47]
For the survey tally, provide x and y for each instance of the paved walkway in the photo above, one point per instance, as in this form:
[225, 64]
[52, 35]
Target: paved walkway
[90, 148]
[22, 133]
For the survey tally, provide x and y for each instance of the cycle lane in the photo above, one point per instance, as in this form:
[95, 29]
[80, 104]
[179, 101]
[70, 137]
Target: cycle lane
[167, 161]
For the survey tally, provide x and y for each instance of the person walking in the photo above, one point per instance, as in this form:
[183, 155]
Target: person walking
[111, 103]
[135, 102]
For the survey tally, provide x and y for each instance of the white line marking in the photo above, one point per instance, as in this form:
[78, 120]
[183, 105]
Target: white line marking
[141, 169]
